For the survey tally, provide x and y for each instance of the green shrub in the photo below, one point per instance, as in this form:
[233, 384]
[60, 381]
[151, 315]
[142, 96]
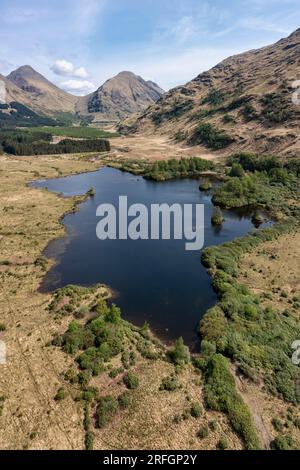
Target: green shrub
[71, 375]
[180, 354]
[215, 97]
[221, 395]
[212, 426]
[211, 137]
[222, 444]
[131, 381]
[217, 217]
[106, 409]
[196, 410]
[124, 400]
[115, 372]
[81, 312]
[283, 442]
[275, 108]
[239, 192]
[60, 394]
[84, 378]
[102, 308]
[177, 419]
[228, 119]
[92, 360]
[91, 192]
[277, 424]
[208, 348]
[237, 170]
[213, 325]
[89, 441]
[89, 394]
[169, 383]
[200, 363]
[186, 414]
[203, 432]
[113, 315]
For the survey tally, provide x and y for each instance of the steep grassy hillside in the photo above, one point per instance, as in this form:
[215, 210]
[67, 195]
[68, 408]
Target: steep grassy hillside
[243, 103]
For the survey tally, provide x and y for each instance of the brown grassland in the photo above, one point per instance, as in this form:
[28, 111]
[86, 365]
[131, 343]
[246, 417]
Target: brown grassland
[31, 418]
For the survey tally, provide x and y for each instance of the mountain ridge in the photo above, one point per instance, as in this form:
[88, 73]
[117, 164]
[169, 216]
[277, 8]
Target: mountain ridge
[116, 99]
[122, 95]
[44, 96]
[244, 103]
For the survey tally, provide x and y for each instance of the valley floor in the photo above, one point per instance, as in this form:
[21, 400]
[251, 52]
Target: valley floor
[30, 417]
[155, 147]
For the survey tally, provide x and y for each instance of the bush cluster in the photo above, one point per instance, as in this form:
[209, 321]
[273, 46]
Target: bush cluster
[211, 137]
[221, 395]
[183, 168]
[257, 338]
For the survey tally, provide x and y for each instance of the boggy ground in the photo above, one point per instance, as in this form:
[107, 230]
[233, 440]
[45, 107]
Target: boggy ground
[34, 372]
[30, 416]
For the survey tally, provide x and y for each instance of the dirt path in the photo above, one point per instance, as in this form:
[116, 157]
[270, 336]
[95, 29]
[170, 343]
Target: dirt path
[255, 407]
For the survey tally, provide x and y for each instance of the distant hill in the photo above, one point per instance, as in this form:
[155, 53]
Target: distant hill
[119, 97]
[18, 109]
[43, 95]
[14, 93]
[243, 103]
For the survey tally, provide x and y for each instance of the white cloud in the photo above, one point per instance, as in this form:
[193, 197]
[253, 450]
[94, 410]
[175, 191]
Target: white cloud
[78, 87]
[67, 69]
[81, 73]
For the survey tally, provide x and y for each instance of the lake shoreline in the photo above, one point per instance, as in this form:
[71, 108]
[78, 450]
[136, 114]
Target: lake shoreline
[162, 333]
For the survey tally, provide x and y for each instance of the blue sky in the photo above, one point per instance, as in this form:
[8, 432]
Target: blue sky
[78, 44]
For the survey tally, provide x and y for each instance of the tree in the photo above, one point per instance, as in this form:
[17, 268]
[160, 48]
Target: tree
[180, 354]
[237, 170]
[113, 315]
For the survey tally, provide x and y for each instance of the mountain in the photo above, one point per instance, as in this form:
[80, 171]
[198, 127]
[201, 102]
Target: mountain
[43, 95]
[119, 97]
[116, 99]
[14, 93]
[243, 103]
[16, 107]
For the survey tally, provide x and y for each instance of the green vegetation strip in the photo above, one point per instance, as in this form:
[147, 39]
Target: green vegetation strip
[38, 142]
[255, 338]
[221, 395]
[77, 132]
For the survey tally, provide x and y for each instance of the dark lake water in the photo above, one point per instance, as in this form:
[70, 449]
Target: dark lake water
[157, 281]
